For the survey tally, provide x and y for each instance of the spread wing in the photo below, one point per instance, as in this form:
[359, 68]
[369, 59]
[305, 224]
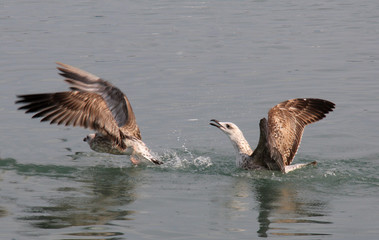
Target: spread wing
[281, 134]
[92, 103]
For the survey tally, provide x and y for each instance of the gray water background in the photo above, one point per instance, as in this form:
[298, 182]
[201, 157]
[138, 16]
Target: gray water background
[182, 63]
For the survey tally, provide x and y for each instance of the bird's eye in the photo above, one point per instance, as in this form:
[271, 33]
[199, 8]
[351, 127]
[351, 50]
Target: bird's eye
[228, 126]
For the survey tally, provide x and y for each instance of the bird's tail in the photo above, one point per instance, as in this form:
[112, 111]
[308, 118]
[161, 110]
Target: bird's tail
[137, 159]
[151, 158]
[297, 166]
[141, 153]
[156, 161]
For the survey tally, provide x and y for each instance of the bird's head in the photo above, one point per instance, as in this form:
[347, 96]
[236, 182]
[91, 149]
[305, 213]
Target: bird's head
[235, 135]
[229, 128]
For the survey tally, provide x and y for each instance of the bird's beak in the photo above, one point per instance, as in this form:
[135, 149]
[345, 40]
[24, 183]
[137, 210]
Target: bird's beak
[216, 123]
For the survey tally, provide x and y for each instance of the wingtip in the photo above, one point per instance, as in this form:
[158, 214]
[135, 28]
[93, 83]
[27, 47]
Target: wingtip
[62, 64]
[62, 68]
[157, 162]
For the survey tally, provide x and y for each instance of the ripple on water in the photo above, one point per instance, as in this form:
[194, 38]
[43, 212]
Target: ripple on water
[328, 175]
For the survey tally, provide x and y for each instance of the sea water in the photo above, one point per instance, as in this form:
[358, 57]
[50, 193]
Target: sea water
[182, 63]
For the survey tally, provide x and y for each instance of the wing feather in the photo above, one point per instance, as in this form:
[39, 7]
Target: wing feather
[74, 108]
[286, 122]
[281, 134]
[116, 101]
[92, 103]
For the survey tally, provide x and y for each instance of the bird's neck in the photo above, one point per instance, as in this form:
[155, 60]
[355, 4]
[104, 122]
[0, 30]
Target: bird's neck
[242, 149]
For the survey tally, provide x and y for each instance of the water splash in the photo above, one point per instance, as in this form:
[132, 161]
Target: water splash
[182, 160]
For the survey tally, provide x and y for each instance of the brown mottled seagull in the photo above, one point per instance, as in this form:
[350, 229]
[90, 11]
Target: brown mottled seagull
[96, 104]
[280, 135]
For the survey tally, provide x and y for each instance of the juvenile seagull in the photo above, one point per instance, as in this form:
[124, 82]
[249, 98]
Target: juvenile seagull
[96, 104]
[280, 135]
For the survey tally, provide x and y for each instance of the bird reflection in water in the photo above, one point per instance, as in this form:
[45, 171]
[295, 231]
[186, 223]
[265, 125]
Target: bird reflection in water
[281, 207]
[103, 196]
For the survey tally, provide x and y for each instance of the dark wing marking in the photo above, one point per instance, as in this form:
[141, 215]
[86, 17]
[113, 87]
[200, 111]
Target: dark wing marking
[116, 101]
[87, 110]
[92, 103]
[284, 129]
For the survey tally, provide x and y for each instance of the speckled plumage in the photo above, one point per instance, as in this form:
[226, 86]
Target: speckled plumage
[92, 103]
[280, 134]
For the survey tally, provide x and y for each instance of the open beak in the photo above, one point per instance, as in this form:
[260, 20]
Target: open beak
[216, 123]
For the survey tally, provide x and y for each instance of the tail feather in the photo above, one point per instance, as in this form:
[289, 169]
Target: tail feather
[290, 168]
[137, 159]
[156, 161]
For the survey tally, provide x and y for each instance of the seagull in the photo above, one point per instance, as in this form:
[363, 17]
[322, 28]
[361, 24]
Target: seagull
[96, 104]
[280, 135]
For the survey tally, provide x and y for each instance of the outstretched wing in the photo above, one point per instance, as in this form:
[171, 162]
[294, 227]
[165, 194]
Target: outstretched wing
[283, 130]
[93, 103]
[116, 101]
